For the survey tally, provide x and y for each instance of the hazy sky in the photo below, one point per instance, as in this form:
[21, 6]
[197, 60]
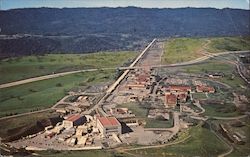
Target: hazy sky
[10, 4]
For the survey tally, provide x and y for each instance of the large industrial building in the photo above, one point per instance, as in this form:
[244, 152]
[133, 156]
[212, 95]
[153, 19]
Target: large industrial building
[74, 120]
[108, 125]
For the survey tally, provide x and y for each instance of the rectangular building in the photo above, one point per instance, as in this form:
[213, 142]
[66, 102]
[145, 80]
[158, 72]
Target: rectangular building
[74, 120]
[108, 125]
[170, 100]
[180, 88]
[205, 89]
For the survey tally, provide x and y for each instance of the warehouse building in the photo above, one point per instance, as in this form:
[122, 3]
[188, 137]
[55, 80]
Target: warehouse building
[108, 125]
[74, 120]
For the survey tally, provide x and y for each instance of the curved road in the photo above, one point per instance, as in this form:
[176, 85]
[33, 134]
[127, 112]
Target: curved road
[45, 77]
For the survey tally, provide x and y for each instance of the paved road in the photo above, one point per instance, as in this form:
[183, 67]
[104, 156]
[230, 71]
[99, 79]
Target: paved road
[229, 118]
[198, 60]
[27, 113]
[45, 77]
[116, 83]
[97, 106]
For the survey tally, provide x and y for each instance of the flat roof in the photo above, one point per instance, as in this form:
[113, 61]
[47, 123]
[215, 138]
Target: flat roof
[175, 87]
[205, 88]
[74, 117]
[171, 98]
[109, 121]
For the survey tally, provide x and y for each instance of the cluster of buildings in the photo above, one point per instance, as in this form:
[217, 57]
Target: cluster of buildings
[74, 105]
[138, 80]
[83, 130]
[181, 93]
[121, 112]
[176, 94]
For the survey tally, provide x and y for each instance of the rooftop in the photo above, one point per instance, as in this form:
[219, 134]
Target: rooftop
[182, 96]
[74, 117]
[205, 88]
[143, 78]
[180, 88]
[109, 121]
[171, 99]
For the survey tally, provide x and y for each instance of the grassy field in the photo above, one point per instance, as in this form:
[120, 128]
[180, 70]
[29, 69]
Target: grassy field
[182, 49]
[202, 143]
[14, 69]
[43, 94]
[142, 114]
[228, 110]
[231, 78]
[90, 153]
[235, 83]
[210, 66]
[222, 44]
[242, 150]
[185, 49]
[199, 96]
[152, 123]
[216, 66]
[18, 122]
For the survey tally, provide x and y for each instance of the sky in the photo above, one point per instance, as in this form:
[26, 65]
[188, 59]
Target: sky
[12, 4]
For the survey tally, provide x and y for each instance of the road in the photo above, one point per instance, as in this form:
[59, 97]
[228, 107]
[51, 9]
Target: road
[241, 75]
[116, 83]
[224, 141]
[97, 106]
[27, 113]
[45, 77]
[229, 118]
[132, 66]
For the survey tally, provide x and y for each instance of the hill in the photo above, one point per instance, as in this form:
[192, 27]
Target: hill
[71, 30]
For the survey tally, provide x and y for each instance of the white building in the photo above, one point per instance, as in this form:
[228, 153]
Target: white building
[108, 125]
